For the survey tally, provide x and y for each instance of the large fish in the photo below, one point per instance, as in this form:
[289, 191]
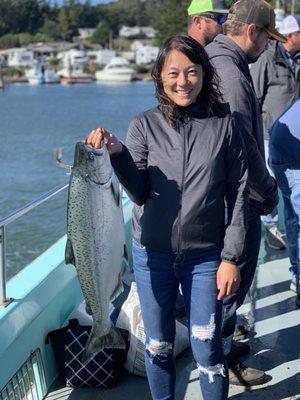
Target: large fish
[96, 238]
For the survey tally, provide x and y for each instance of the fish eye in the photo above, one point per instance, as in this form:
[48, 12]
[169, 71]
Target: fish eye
[91, 156]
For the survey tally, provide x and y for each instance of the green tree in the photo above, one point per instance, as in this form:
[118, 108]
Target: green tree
[7, 12]
[66, 26]
[101, 35]
[50, 29]
[171, 18]
[9, 40]
[28, 17]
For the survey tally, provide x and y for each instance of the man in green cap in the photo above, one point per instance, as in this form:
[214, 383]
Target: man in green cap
[205, 19]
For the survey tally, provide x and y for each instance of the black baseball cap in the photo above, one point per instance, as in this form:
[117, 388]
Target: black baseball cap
[257, 12]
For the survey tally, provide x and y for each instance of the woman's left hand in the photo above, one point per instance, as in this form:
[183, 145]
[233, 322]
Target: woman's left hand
[228, 279]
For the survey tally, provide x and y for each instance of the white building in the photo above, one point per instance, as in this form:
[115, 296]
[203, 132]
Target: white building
[74, 58]
[146, 54]
[86, 32]
[129, 31]
[128, 55]
[18, 57]
[137, 31]
[148, 31]
[136, 44]
[101, 57]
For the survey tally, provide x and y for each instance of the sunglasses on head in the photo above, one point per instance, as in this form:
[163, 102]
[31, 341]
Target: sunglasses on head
[219, 18]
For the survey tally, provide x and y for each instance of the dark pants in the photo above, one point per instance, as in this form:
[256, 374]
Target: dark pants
[247, 268]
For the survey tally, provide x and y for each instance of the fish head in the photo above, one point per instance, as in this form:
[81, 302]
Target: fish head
[94, 163]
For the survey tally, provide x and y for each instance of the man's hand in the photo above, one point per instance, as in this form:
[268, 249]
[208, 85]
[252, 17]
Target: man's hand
[228, 279]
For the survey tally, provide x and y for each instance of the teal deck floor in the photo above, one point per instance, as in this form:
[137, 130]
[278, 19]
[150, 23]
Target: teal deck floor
[275, 346]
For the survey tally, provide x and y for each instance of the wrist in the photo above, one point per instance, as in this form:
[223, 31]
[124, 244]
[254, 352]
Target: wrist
[228, 261]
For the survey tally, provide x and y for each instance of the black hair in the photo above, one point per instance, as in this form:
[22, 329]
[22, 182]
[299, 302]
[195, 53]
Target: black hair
[210, 94]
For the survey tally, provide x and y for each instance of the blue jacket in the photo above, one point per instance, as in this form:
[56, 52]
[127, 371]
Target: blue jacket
[285, 138]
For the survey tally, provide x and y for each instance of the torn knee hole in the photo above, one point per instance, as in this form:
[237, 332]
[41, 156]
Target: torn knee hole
[157, 348]
[211, 372]
[204, 332]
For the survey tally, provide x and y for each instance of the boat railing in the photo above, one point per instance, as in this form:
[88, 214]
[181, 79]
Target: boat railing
[11, 217]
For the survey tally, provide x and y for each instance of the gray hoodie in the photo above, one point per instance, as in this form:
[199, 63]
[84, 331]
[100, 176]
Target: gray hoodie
[276, 78]
[232, 67]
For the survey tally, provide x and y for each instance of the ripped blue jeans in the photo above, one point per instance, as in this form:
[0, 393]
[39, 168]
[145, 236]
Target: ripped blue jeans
[158, 275]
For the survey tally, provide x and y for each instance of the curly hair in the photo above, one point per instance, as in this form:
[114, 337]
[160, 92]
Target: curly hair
[210, 94]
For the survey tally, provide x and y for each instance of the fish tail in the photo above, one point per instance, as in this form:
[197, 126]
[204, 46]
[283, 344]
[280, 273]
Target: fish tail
[113, 339]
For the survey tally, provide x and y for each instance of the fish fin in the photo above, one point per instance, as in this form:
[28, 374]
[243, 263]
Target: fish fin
[115, 188]
[113, 339]
[118, 289]
[69, 253]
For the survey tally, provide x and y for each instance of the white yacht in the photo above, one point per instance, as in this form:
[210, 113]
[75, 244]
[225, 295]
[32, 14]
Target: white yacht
[117, 70]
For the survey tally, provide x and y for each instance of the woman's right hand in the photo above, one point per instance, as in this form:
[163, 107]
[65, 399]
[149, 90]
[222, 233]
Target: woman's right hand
[96, 138]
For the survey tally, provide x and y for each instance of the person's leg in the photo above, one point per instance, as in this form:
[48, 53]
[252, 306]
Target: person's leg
[197, 275]
[247, 268]
[291, 220]
[273, 237]
[239, 374]
[293, 177]
[157, 288]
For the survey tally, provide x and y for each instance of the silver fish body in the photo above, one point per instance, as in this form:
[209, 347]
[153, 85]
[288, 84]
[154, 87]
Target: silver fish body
[96, 238]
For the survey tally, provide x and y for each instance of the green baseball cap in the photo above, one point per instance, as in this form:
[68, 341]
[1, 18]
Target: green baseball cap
[204, 6]
[257, 12]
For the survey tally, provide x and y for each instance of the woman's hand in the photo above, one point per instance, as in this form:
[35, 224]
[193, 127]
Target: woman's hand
[101, 136]
[228, 279]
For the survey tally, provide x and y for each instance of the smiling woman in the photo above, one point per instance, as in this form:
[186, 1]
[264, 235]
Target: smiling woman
[180, 160]
[183, 75]
[182, 79]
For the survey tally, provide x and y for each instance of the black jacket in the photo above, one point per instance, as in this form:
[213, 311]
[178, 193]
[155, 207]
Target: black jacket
[237, 88]
[179, 177]
[276, 81]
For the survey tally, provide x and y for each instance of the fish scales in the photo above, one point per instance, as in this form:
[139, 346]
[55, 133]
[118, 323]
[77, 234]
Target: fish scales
[96, 240]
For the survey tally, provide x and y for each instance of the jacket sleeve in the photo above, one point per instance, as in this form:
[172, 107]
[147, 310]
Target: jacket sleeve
[259, 74]
[258, 176]
[131, 164]
[237, 196]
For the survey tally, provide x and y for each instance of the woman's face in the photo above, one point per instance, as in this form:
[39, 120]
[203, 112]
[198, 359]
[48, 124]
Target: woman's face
[182, 79]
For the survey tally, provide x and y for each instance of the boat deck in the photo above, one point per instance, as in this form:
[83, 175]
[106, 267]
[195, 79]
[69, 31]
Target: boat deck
[275, 346]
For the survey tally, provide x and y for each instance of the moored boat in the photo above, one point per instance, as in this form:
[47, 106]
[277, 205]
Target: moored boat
[41, 75]
[117, 70]
[71, 76]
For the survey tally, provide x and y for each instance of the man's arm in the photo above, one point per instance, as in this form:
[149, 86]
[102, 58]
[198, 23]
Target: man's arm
[243, 110]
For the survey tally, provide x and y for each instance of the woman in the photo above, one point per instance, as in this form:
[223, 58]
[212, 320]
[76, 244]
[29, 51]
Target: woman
[181, 159]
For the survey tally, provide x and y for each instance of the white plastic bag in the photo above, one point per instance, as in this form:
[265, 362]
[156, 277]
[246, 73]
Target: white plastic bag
[130, 318]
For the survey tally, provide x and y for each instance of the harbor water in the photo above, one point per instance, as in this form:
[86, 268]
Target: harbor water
[36, 120]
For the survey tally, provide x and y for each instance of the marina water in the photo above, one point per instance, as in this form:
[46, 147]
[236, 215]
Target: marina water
[35, 120]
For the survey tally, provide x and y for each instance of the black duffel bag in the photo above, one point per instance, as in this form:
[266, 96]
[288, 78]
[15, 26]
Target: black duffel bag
[103, 370]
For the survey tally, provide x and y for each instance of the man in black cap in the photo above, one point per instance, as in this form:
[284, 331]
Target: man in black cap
[246, 31]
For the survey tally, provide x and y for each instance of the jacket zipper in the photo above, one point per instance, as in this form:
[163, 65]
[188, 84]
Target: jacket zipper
[179, 230]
